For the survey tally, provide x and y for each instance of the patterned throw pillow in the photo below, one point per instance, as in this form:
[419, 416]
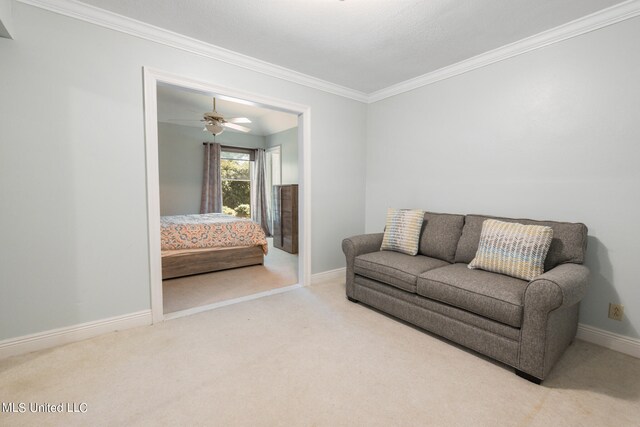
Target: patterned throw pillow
[402, 231]
[513, 249]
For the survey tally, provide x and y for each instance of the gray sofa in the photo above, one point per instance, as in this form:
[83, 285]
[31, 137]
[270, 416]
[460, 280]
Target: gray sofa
[527, 325]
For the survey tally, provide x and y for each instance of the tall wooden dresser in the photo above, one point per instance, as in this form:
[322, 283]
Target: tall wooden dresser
[285, 217]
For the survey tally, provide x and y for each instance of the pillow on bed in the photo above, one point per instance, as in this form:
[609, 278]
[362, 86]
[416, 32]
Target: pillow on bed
[402, 231]
[513, 249]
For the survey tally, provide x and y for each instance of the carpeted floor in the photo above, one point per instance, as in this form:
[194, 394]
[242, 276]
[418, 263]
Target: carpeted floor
[310, 358]
[280, 269]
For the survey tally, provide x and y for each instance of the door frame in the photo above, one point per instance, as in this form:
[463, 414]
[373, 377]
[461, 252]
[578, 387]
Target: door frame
[154, 77]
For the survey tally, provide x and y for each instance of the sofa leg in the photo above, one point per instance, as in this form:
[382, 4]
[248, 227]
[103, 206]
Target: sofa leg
[528, 377]
[352, 299]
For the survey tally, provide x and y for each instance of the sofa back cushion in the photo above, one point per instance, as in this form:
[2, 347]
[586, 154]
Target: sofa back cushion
[440, 235]
[569, 242]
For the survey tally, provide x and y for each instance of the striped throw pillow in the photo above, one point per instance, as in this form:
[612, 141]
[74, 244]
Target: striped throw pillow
[402, 231]
[513, 249]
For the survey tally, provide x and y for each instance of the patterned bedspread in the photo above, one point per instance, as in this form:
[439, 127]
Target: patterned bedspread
[210, 231]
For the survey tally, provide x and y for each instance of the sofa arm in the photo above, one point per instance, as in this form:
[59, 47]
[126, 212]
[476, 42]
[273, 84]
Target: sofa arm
[362, 244]
[564, 285]
[550, 317]
[358, 245]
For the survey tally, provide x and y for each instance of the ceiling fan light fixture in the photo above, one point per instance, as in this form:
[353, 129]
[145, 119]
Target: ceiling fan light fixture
[214, 127]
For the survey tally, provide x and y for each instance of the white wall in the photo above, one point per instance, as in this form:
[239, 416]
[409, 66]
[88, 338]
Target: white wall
[551, 134]
[288, 141]
[72, 168]
[181, 157]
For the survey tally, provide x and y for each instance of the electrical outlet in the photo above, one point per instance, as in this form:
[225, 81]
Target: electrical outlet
[616, 311]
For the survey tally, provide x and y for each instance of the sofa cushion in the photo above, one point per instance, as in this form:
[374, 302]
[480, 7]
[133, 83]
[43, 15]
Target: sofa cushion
[569, 243]
[394, 268]
[440, 235]
[402, 230]
[492, 295]
[513, 249]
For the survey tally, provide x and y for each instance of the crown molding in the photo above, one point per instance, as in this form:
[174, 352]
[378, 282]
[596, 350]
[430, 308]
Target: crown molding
[123, 24]
[75, 9]
[614, 14]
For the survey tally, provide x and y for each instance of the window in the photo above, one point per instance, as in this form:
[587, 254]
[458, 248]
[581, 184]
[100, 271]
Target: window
[235, 170]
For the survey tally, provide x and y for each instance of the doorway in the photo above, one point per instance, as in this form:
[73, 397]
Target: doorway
[155, 78]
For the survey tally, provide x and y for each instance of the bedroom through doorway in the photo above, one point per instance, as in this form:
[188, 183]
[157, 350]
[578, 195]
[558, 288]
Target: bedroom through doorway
[229, 187]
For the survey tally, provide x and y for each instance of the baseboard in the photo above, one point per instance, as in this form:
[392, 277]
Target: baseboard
[328, 275]
[60, 336]
[626, 345]
[56, 337]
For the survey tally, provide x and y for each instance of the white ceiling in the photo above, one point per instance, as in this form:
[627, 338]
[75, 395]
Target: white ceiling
[366, 45]
[184, 107]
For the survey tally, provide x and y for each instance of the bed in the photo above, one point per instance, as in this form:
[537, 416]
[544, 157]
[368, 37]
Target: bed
[195, 244]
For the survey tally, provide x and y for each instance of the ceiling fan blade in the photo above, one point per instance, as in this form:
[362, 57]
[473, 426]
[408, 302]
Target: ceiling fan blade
[238, 120]
[183, 120]
[236, 127]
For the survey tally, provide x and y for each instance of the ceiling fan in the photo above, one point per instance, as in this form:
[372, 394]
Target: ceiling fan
[215, 123]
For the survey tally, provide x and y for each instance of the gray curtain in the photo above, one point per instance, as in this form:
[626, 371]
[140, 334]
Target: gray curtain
[211, 199]
[260, 212]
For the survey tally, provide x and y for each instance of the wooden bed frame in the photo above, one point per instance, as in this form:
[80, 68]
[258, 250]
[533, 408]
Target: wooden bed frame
[188, 263]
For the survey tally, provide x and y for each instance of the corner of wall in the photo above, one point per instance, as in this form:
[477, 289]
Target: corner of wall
[6, 19]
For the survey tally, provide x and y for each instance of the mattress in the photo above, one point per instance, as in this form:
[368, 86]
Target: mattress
[211, 230]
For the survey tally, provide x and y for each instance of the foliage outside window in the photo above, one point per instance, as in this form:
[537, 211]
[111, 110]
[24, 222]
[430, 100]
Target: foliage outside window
[236, 183]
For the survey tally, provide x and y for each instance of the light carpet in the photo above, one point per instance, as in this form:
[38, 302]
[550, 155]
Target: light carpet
[310, 358]
[280, 269]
